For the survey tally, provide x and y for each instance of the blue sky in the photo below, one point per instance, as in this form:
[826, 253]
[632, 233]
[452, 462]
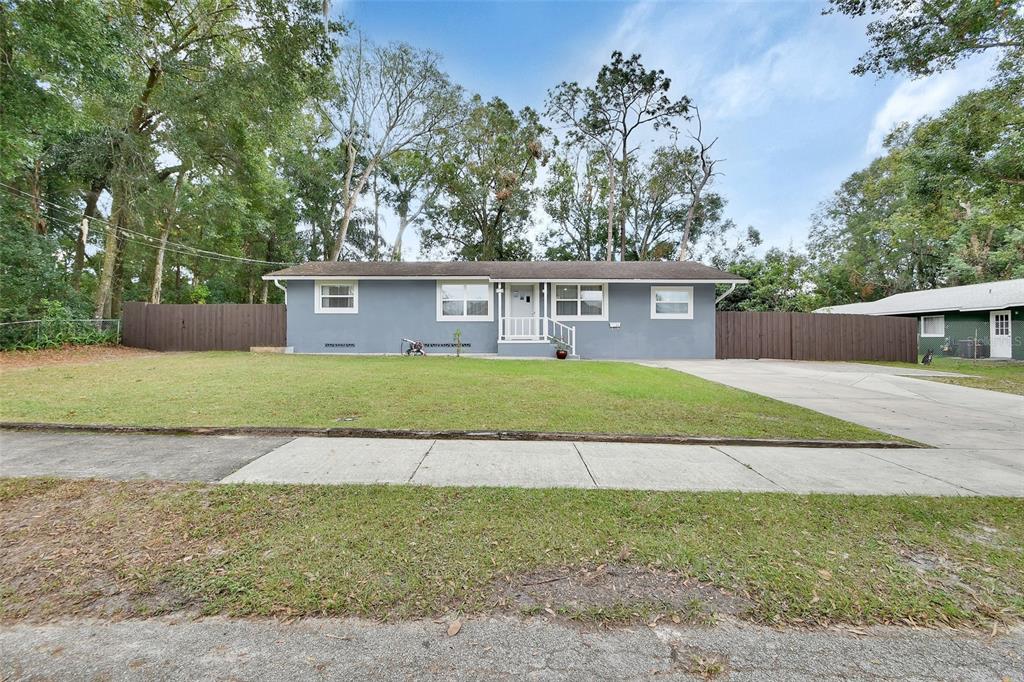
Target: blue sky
[772, 80]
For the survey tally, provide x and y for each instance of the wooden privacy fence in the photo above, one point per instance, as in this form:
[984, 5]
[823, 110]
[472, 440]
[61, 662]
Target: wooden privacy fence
[221, 326]
[815, 336]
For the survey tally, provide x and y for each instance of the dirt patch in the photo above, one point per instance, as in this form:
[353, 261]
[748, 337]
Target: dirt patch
[617, 592]
[67, 355]
[95, 549]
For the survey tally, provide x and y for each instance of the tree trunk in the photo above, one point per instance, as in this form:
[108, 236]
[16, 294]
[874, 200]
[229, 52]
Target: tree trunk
[264, 291]
[403, 222]
[165, 231]
[117, 289]
[106, 273]
[92, 198]
[691, 213]
[38, 222]
[622, 214]
[610, 247]
[136, 121]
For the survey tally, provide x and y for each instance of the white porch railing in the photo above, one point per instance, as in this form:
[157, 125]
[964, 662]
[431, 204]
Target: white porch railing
[520, 328]
[537, 329]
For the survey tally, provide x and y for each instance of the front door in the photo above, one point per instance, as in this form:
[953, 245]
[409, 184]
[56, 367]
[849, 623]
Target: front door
[999, 332]
[522, 310]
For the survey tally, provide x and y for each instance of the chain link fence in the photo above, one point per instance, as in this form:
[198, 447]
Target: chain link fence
[53, 333]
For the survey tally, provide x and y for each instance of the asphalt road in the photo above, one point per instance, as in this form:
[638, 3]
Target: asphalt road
[492, 648]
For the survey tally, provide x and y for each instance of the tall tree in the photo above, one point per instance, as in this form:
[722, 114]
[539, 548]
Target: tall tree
[944, 205]
[625, 98]
[574, 196]
[487, 192]
[392, 99]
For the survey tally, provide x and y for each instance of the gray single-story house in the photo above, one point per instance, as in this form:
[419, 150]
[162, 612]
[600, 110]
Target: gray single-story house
[949, 320]
[645, 309]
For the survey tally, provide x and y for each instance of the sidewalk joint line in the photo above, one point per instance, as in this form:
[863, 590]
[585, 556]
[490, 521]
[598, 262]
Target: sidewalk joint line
[921, 473]
[744, 464]
[585, 465]
[420, 463]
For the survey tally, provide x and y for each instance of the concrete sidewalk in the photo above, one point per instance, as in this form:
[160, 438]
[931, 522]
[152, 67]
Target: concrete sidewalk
[532, 464]
[636, 466]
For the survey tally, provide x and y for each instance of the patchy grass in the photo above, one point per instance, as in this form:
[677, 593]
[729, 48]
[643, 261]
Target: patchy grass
[103, 548]
[1005, 377]
[236, 389]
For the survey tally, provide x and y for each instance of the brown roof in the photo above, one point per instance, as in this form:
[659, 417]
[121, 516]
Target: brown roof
[503, 270]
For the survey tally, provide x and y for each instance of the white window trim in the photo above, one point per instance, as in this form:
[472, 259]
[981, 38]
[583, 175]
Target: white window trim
[655, 315]
[603, 317]
[318, 297]
[489, 317]
[941, 334]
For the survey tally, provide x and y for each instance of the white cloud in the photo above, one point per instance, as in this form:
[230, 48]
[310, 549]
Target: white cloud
[804, 68]
[913, 99]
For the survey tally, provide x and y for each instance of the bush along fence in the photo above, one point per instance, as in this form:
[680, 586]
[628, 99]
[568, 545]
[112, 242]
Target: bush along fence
[219, 326]
[44, 333]
[57, 326]
[815, 336]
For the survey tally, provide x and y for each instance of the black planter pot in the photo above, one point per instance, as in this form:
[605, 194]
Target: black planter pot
[561, 354]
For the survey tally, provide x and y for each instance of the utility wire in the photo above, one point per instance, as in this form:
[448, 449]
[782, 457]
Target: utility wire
[198, 251]
[171, 249]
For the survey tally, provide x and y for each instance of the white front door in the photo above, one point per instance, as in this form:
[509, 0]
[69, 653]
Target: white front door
[999, 333]
[522, 310]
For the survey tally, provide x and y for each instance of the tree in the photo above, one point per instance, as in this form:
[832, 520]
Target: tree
[921, 37]
[486, 196]
[573, 197]
[411, 189]
[944, 206]
[625, 98]
[391, 99]
[780, 280]
[668, 205]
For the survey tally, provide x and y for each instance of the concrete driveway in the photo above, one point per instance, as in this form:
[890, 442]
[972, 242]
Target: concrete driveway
[888, 399]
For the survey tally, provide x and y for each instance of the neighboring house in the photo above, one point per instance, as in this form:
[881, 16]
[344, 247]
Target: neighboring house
[644, 309]
[992, 313]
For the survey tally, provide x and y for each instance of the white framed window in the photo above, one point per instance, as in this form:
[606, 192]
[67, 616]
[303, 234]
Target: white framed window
[933, 325]
[581, 302]
[337, 296]
[464, 301]
[671, 303]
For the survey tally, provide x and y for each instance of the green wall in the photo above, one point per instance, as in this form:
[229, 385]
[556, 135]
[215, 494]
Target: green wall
[961, 325]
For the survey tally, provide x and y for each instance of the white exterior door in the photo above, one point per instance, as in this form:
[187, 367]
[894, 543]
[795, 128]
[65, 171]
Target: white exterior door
[522, 311]
[999, 333]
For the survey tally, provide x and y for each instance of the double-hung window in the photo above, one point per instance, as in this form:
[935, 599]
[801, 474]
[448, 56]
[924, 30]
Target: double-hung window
[671, 303]
[933, 325]
[464, 301]
[581, 302]
[337, 297]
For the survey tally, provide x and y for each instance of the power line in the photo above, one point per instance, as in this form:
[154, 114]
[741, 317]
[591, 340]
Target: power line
[198, 251]
[171, 249]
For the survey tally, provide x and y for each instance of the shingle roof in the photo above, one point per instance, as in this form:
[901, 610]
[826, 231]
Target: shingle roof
[512, 270]
[988, 296]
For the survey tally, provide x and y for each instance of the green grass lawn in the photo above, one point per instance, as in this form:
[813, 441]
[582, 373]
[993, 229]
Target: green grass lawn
[1006, 377]
[234, 389]
[104, 548]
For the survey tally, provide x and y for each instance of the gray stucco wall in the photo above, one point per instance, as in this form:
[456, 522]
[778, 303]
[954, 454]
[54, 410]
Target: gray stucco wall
[392, 309]
[388, 311]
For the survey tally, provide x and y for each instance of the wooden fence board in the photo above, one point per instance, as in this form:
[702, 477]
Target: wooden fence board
[814, 336]
[183, 327]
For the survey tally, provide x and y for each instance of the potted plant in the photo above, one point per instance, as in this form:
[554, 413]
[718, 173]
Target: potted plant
[561, 350]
